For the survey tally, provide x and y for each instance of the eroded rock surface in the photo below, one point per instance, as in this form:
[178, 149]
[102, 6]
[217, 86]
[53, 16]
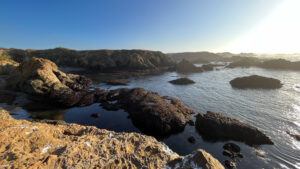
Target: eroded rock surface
[41, 77]
[150, 112]
[214, 126]
[7, 66]
[256, 82]
[27, 144]
[198, 159]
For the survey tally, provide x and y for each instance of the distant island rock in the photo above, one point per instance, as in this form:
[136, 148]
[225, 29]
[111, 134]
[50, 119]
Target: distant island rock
[214, 126]
[182, 81]
[256, 82]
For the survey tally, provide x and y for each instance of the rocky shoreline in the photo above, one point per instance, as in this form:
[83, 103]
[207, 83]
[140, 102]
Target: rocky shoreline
[26, 144]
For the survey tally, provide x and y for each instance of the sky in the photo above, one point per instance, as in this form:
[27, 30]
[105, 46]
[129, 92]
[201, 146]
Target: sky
[261, 26]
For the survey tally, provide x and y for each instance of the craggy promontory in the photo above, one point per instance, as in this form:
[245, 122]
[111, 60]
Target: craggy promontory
[256, 82]
[26, 144]
[151, 113]
[97, 60]
[214, 126]
[41, 79]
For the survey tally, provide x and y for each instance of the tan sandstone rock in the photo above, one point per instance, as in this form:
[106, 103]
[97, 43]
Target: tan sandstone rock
[7, 66]
[27, 144]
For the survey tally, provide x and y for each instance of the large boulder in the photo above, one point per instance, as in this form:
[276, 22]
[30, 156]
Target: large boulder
[214, 126]
[150, 112]
[255, 82]
[41, 78]
[26, 144]
[182, 81]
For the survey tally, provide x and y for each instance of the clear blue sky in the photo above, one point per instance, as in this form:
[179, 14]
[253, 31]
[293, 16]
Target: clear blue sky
[166, 25]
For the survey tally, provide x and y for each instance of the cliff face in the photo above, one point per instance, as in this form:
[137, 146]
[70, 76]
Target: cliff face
[27, 144]
[101, 60]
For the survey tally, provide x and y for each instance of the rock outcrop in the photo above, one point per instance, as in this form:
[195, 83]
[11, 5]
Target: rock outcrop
[150, 112]
[41, 78]
[7, 66]
[197, 57]
[98, 60]
[255, 82]
[214, 126]
[182, 81]
[187, 67]
[27, 144]
[198, 159]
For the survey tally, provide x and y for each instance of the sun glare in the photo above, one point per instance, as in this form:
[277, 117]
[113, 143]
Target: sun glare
[278, 33]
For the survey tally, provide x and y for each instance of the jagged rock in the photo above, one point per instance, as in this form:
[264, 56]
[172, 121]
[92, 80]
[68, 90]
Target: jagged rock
[7, 66]
[41, 78]
[151, 113]
[117, 82]
[255, 82]
[182, 81]
[214, 126]
[230, 164]
[198, 159]
[232, 147]
[26, 144]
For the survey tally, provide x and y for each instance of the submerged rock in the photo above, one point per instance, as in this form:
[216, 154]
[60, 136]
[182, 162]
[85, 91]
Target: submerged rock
[28, 144]
[150, 112]
[255, 82]
[182, 81]
[117, 83]
[41, 78]
[192, 139]
[214, 126]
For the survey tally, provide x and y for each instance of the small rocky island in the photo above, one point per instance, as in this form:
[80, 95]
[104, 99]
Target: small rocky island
[214, 126]
[256, 82]
[182, 81]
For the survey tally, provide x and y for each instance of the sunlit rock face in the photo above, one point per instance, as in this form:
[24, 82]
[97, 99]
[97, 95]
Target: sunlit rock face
[27, 144]
[41, 77]
[7, 66]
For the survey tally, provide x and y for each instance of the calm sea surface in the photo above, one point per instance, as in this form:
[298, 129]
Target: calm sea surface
[272, 111]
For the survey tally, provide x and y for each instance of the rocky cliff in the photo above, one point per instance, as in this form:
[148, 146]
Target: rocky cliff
[100, 60]
[27, 144]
